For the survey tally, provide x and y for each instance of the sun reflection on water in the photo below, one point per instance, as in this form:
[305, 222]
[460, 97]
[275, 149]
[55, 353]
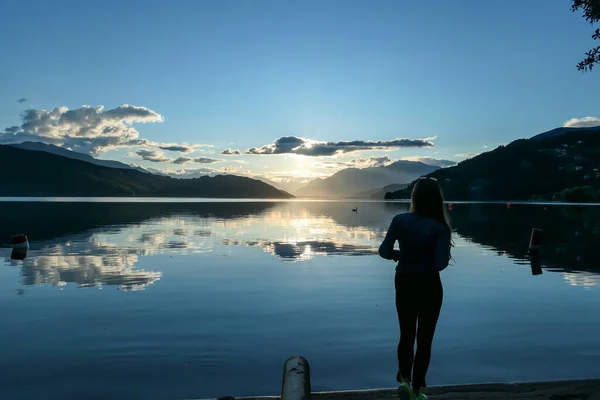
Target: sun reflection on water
[109, 255]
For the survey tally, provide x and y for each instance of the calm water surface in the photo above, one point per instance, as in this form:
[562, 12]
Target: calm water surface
[184, 300]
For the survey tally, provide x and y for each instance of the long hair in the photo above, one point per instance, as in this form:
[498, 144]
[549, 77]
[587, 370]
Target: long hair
[427, 200]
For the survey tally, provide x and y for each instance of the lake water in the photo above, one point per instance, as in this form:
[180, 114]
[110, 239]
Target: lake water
[196, 300]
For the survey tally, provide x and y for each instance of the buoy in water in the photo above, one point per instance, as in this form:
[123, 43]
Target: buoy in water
[20, 247]
[20, 242]
[507, 205]
[450, 206]
[535, 241]
[18, 254]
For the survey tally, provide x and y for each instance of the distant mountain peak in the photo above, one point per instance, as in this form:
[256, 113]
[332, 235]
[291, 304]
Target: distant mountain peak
[350, 181]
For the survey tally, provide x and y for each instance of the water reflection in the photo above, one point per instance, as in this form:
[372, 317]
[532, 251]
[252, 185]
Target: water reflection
[87, 260]
[96, 244]
[306, 250]
[87, 271]
[579, 278]
[46, 220]
[570, 233]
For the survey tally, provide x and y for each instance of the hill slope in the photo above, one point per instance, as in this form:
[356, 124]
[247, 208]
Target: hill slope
[378, 194]
[38, 146]
[348, 182]
[562, 167]
[39, 173]
[560, 131]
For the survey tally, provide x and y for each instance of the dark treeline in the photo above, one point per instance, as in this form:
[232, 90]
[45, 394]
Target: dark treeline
[563, 167]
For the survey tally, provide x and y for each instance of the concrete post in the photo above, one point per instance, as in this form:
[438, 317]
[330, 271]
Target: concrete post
[296, 379]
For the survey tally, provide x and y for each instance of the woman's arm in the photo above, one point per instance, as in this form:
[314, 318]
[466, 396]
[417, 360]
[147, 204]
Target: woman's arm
[442, 250]
[386, 250]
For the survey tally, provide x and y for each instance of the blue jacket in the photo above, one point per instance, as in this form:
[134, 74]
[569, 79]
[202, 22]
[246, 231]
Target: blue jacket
[424, 244]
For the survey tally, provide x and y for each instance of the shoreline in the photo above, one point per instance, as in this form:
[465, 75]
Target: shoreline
[189, 199]
[583, 389]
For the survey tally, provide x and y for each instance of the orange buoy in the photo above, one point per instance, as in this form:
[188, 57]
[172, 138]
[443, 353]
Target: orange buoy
[450, 207]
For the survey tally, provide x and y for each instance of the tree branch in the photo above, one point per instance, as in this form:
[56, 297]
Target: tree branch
[591, 12]
[592, 57]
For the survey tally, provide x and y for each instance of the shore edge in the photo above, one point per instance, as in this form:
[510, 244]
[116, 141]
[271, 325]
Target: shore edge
[583, 389]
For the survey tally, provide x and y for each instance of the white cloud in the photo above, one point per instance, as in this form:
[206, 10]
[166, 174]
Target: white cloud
[206, 160]
[308, 147]
[467, 155]
[438, 162]
[175, 147]
[187, 173]
[158, 171]
[374, 161]
[199, 160]
[380, 161]
[85, 129]
[585, 122]
[152, 155]
[88, 129]
[231, 152]
[182, 160]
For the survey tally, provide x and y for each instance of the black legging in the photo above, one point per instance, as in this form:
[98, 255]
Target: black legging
[418, 298]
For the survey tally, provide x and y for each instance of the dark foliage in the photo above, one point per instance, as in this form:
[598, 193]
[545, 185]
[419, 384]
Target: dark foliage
[526, 169]
[591, 12]
[580, 194]
[570, 234]
[569, 240]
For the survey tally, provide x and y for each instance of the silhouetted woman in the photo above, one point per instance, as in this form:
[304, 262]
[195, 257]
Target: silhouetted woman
[424, 236]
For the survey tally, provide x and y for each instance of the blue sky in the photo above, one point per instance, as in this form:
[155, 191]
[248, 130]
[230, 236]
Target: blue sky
[241, 74]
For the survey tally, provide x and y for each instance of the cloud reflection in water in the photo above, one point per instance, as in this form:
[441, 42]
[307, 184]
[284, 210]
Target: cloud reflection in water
[306, 250]
[108, 253]
[108, 257]
[582, 278]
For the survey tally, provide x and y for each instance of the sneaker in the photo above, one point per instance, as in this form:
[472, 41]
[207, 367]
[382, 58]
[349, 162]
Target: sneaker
[420, 396]
[405, 392]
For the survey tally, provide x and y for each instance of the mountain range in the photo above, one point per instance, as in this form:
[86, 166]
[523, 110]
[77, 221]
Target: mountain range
[49, 148]
[378, 194]
[35, 173]
[351, 181]
[198, 173]
[562, 164]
